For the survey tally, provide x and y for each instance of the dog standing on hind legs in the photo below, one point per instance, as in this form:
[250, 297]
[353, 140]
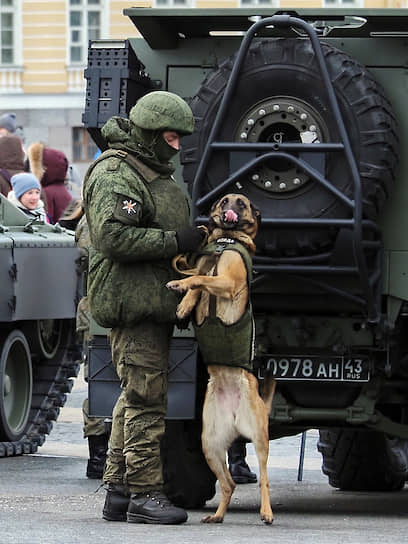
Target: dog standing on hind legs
[218, 292]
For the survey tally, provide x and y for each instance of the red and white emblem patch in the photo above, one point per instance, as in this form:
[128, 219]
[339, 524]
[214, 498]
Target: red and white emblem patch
[129, 206]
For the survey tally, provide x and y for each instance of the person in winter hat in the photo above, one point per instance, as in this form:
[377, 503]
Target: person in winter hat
[26, 195]
[50, 167]
[11, 161]
[7, 124]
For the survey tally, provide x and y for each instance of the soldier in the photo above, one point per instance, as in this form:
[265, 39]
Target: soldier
[95, 430]
[94, 427]
[138, 220]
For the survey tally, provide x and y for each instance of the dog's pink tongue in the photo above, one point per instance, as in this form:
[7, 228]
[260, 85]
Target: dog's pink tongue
[231, 216]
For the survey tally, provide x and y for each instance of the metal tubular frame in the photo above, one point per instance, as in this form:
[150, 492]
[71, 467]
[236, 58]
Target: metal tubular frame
[370, 287]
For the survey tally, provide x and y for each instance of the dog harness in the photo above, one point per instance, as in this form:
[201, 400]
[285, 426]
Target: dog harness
[221, 344]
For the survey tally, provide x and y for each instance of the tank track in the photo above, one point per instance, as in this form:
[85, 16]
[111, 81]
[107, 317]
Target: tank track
[51, 383]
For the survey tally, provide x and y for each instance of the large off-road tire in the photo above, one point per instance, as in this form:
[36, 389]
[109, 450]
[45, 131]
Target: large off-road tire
[280, 97]
[363, 460]
[188, 481]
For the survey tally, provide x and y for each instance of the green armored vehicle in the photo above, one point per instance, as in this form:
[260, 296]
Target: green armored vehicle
[303, 111]
[40, 288]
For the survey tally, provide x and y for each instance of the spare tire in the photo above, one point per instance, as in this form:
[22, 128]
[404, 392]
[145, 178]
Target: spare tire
[280, 97]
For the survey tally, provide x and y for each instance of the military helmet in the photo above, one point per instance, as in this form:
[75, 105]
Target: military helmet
[161, 110]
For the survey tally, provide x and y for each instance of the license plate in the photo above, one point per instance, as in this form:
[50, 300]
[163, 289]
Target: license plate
[319, 368]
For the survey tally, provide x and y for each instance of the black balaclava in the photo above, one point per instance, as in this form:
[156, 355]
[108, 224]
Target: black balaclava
[148, 145]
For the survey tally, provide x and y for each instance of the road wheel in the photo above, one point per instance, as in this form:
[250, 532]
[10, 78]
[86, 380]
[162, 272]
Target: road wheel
[44, 337]
[364, 460]
[16, 383]
[280, 98]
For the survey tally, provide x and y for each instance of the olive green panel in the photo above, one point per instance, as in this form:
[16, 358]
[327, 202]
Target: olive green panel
[396, 279]
[182, 70]
[389, 52]
[164, 28]
[40, 238]
[394, 219]
[10, 215]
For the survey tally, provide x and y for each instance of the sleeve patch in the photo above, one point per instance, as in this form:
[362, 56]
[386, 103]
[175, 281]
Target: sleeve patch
[128, 210]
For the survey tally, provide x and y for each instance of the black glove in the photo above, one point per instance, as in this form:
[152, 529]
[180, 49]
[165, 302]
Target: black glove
[189, 239]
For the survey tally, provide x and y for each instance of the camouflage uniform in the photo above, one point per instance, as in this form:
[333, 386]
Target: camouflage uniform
[133, 212]
[93, 426]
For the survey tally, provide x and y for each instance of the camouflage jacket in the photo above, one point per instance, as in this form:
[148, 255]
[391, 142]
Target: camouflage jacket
[132, 217]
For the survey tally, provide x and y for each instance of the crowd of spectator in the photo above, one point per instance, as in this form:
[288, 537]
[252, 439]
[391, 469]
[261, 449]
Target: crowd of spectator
[34, 180]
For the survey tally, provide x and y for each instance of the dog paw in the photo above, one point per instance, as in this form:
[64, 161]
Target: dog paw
[267, 518]
[182, 312]
[212, 519]
[175, 285]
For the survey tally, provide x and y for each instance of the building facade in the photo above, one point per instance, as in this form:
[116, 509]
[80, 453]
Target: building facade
[43, 52]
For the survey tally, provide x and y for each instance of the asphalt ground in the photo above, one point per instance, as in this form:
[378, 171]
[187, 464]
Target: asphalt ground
[45, 498]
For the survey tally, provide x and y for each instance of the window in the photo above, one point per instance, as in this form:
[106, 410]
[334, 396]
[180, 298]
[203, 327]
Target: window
[83, 147]
[7, 32]
[265, 3]
[174, 3]
[343, 3]
[86, 22]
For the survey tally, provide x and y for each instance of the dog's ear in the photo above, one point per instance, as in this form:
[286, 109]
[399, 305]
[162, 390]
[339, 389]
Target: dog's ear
[215, 204]
[256, 213]
[211, 223]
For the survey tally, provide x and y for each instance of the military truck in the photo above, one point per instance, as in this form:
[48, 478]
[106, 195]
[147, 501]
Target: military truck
[303, 111]
[39, 354]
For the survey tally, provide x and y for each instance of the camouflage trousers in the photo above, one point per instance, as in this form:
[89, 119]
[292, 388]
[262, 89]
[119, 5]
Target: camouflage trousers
[93, 426]
[140, 355]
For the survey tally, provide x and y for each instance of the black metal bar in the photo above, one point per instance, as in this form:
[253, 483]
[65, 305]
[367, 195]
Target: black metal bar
[219, 190]
[288, 269]
[301, 456]
[319, 284]
[321, 257]
[263, 146]
[312, 222]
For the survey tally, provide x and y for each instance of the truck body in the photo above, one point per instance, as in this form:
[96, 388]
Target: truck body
[304, 111]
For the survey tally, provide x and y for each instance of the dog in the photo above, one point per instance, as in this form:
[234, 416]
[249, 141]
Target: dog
[218, 291]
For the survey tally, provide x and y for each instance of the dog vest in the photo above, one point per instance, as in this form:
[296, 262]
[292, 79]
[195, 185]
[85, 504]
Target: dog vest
[221, 344]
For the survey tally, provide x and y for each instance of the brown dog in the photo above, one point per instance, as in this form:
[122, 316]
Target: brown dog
[219, 292]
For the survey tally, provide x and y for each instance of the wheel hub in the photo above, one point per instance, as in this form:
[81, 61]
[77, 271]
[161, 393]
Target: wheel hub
[280, 120]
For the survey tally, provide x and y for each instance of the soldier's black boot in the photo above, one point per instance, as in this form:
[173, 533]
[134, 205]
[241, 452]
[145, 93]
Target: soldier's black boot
[154, 507]
[240, 471]
[116, 503]
[98, 446]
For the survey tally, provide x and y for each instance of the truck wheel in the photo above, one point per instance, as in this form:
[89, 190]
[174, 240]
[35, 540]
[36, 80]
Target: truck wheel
[280, 98]
[364, 460]
[188, 481]
[16, 385]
